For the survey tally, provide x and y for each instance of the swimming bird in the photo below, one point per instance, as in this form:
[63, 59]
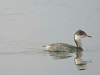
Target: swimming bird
[66, 47]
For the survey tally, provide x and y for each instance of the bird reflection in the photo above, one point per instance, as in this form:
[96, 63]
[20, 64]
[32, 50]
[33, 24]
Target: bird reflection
[79, 63]
[58, 55]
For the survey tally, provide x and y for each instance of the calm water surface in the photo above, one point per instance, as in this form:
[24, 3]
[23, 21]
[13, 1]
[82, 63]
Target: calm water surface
[27, 25]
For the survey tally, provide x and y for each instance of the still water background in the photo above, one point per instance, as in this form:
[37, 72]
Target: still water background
[27, 25]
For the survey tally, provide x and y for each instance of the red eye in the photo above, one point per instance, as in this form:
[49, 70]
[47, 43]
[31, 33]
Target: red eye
[83, 34]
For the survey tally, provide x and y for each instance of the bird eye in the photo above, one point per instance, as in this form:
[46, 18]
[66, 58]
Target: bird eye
[83, 34]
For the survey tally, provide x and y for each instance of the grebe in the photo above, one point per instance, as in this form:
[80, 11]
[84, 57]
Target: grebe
[66, 47]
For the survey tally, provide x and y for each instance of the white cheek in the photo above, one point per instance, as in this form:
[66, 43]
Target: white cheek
[47, 47]
[77, 37]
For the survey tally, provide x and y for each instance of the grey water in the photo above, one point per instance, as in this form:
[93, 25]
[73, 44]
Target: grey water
[27, 25]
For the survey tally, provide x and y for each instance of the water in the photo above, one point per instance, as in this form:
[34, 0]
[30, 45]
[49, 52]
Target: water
[27, 25]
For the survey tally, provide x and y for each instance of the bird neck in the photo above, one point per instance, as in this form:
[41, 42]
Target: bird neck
[78, 43]
[77, 40]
